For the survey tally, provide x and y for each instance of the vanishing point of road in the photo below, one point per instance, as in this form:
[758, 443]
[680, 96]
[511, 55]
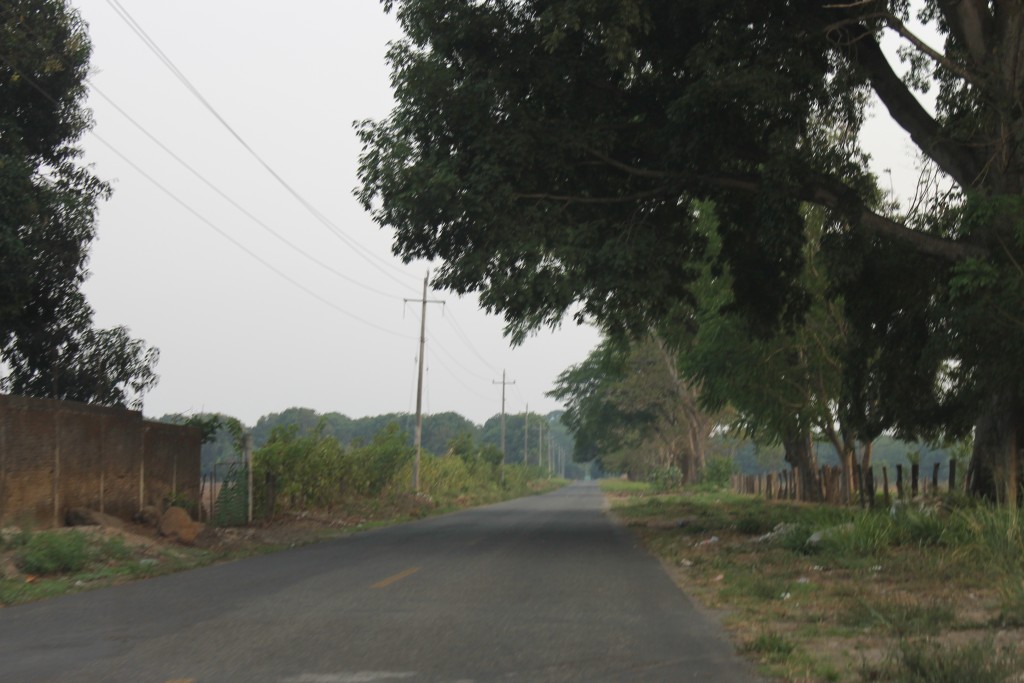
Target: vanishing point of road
[538, 589]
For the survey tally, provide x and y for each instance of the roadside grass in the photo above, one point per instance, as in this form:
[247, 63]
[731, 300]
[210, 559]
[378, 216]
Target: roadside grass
[45, 564]
[821, 593]
[623, 486]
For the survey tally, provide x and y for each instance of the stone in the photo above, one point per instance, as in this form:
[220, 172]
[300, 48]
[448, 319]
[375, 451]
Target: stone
[175, 523]
[87, 517]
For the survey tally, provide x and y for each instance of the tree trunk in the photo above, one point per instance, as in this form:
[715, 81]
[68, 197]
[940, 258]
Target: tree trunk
[994, 472]
[800, 454]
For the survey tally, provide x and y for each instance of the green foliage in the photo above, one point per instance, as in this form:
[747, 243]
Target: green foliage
[114, 548]
[718, 472]
[773, 647]
[53, 552]
[564, 156]
[624, 486]
[629, 409]
[48, 206]
[306, 470]
[665, 479]
[232, 506]
[371, 468]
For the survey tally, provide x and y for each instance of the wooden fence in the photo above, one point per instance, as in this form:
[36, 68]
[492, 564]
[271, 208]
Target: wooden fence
[871, 485]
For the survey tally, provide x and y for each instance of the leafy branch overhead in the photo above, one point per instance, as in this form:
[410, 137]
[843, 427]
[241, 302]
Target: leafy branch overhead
[48, 208]
[556, 157]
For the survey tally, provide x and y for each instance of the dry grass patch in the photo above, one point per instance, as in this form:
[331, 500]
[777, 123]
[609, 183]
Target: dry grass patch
[815, 593]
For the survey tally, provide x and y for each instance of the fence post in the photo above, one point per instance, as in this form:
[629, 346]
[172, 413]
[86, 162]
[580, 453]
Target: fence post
[870, 481]
[899, 481]
[915, 473]
[935, 480]
[952, 475]
[56, 468]
[248, 466]
[885, 485]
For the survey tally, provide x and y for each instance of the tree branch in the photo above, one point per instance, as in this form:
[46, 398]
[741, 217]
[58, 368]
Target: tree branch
[971, 22]
[823, 192]
[896, 25]
[575, 199]
[837, 196]
[954, 159]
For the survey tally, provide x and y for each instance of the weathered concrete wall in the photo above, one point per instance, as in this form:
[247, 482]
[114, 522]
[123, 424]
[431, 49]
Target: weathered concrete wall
[56, 455]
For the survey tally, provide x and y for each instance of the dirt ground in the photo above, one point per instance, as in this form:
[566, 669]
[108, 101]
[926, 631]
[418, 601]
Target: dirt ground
[121, 551]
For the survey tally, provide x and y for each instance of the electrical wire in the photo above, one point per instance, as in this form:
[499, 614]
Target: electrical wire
[458, 379]
[316, 213]
[450, 316]
[230, 200]
[202, 218]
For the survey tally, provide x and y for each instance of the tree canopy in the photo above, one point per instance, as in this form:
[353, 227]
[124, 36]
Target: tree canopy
[554, 155]
[48, 206]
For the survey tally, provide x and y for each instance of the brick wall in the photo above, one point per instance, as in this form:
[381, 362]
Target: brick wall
[56, 455]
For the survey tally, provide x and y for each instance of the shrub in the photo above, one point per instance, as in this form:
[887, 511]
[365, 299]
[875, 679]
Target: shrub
[375, 466]
[666, 479]
[718, 471]
[52, 552]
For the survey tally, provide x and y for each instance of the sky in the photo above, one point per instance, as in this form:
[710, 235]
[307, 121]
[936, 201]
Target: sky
[245, 323]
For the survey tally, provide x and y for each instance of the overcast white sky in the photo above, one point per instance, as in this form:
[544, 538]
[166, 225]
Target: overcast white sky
[234, 335]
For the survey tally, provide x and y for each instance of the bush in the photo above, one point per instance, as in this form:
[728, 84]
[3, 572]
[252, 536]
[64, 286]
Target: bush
[375, 466]
[666, 479]
[718, 471]
[52, 552]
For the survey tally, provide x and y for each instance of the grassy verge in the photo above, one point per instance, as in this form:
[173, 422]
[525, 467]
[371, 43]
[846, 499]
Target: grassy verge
[44, 564]
[815, 593]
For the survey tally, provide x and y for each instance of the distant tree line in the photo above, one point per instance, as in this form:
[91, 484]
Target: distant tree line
[442, 433]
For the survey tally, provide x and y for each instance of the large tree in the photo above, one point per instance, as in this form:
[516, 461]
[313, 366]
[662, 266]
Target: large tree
[48, 204]
[550, 154]
[630, 408]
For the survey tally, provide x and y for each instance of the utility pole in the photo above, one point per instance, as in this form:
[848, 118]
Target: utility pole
[503, 383]
[419, 385]
[526, 436]
[540, 443]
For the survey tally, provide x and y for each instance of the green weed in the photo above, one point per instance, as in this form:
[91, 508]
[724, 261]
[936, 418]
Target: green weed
[51, 552]
[771, 646]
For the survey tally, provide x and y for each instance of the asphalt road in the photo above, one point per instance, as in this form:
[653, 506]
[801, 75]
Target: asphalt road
[537, 589]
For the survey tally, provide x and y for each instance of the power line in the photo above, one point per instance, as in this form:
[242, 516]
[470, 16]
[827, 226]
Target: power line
[230, 200]
[155, 48]
[465, 339]
[207, 182]
[244, 248]
[202, 218]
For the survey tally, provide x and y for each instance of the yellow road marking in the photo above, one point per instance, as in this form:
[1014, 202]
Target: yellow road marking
[397, 577]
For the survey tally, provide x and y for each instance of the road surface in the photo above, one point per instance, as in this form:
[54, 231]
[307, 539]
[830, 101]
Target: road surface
[538, 589]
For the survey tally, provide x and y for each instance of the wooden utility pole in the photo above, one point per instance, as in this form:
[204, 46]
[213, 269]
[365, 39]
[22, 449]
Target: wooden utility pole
[526, 436]
[503, 383]
[540, 443]
[247, 454]
[419, 384]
